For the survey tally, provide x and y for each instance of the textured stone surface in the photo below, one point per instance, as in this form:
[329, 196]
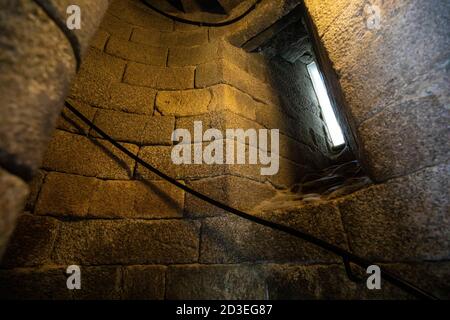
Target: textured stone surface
[143, 282]
[35, 188]
[184, 38]
[76, 154]
[183, 103]
[32, 241]
[99, 283]
[70, 122]
[228, 190]
[127, 242]
[47, 283]
[137, 199]
[135, 128]
[36, 65]
[322, 282]
[65, 195]
[124, 97]
[99, 39]
[116, 27]
[121, 126]
[13, 195]
[417, 133]
[92, 12]
[324, 12]
[155, 56]
[410, 38]
[230, 282]
[101, 66]
[225, 97]
[174, 78]
[158, 131]
[403, 219]
[221, 71]
[235, 240]
[160, 157]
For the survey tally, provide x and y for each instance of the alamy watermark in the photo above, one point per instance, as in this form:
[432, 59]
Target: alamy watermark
[234, 141]
[73, 21]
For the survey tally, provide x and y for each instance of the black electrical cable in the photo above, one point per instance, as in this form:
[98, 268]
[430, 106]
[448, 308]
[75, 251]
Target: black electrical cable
[346, 255]
[201, 23]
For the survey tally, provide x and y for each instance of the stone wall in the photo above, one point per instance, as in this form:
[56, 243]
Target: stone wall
[36, 65]
[136, 236]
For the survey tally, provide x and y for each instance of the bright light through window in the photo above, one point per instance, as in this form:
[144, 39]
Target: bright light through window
[336, 135]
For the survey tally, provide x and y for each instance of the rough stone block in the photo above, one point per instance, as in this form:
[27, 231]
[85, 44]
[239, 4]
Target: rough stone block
[228, 190]
[65, 195]
[225, 97]
[324, 12]
[221, 120]
[70, 122]
[160, 158]
[124, 97]
[91, 89]
[47, 283]
[116, 27]
[99, 283]
[127, 242]
[32, 241]
[89, 157]
[150, 55]
[146, 36]
[217, 282]
[158, 131]
[121, 126]
[406, 137]
[183, 103]
[143, 282]
[184, 38]
[235, 240]
[297, 282]
[400, 220]
[102, 66]
[192, 56]
[35, 187]
[158, 199]
[113, 199]
[13, 196]
[176, 78]
[99, 39]
[223, 72]
[137, 199]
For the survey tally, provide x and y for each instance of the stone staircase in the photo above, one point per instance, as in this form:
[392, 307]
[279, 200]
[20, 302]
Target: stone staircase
[136, 236]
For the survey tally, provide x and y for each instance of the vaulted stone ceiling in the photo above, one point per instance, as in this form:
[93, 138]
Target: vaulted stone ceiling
[202, 8]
